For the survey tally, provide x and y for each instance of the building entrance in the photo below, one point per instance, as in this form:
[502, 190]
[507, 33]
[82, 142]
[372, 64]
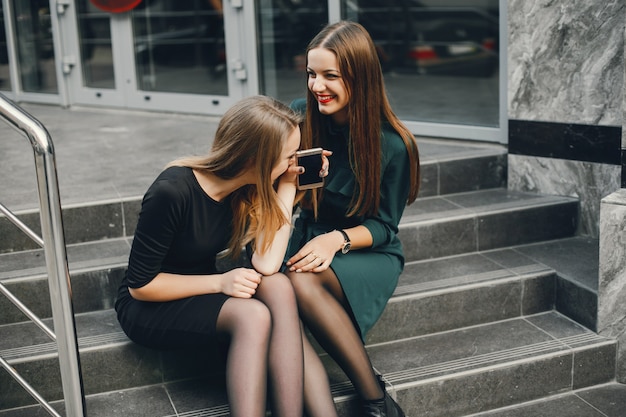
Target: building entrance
[443, 61]
[162, 55]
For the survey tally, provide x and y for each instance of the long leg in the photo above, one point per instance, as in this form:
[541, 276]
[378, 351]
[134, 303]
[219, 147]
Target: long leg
[324, 310]
[318, 400]
[286, 367]
[247, 324]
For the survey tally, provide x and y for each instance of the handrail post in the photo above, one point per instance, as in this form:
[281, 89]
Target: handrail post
[55, 254]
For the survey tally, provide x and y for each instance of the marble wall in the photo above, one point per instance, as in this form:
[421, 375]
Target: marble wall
[566, 65]
[566, 60]
[590, 182]
[611, 320]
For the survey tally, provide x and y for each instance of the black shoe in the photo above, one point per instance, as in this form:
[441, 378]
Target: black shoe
[386, 407]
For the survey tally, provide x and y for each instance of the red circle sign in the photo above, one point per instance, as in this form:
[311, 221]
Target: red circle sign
[115, 6]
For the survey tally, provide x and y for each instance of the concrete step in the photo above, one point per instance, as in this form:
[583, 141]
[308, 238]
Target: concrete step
[435, 227]
[452, 292]
[598, 401]
[447, 167]
[433, 297]
[445, 374]
[453, 224]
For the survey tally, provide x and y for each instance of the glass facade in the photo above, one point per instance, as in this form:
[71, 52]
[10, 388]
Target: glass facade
[440, 58]
[284, 30]
[96, 48]
[34, 46]
[5, 73]
[179, 46]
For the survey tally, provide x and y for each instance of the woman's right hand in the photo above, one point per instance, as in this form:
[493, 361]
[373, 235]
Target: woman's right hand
[240, 282]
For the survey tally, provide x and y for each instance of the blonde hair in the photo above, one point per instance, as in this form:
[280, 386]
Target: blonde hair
[368, 108]
[251, 134]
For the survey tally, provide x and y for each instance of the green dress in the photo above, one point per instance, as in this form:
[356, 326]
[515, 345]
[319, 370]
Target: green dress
[368, 276]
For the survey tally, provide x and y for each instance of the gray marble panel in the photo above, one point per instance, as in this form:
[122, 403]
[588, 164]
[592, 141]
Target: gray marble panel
[147, 401]
[501, 387]
[593, 366]
[34, 294]
[577, 302]
[587, 181]
[612, 274]
[538, 294]
[566, 406]
[425, 315]
[566, 60]
[93, 222]
[125, 366]
[611, 399]
[44, 376]
[189, 396]
[437, 239]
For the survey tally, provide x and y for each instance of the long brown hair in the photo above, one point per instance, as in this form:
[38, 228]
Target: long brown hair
[251, 134]
[368, 108]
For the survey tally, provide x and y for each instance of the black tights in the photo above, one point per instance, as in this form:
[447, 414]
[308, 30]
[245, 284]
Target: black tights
[324, 310]
[264, 341]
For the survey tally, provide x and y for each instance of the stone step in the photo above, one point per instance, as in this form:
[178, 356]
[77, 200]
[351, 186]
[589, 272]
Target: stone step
[475, 288]
[433, 297]
[447, 167]
[482, 220]
[435, 227]
[598, 401]
[447, 374]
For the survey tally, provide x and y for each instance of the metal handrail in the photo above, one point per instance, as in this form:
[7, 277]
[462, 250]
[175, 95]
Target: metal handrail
[56, 262]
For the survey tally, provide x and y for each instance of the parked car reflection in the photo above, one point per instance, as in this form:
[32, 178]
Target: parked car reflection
[418, 38]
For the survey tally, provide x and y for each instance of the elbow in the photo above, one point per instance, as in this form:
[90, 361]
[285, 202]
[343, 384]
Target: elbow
[265, 268]
[139, 294]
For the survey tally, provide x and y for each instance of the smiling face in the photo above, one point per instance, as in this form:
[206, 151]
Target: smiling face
[288, 154]
[327, 85]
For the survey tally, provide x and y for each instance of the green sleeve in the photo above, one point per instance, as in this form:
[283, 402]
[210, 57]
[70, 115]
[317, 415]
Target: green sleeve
[394, 190]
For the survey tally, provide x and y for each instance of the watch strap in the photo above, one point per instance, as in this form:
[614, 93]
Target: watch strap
[346, 238]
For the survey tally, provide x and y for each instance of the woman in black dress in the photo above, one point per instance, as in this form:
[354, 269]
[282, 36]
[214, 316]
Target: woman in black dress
[173, 295]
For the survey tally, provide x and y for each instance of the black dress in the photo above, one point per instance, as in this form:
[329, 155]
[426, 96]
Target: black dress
[180, 230]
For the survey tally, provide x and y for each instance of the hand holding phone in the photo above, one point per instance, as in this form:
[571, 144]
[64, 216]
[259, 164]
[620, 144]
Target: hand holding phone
[311, 160]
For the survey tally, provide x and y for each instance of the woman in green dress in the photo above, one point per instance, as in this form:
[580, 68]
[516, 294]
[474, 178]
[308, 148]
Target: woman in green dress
[345, 256]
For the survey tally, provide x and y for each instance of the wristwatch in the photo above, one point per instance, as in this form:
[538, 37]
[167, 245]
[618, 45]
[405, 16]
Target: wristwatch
[346, 242]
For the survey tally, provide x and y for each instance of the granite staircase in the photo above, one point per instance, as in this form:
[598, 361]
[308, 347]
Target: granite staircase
[495, 308]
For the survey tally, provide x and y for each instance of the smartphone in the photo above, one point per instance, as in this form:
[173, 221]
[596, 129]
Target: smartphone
[311, 160]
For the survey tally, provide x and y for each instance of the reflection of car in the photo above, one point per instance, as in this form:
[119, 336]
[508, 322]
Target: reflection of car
[454, 46]
[187, 35]
[432, 40]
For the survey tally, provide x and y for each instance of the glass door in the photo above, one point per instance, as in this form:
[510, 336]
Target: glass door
[163, 55]
[444, 61]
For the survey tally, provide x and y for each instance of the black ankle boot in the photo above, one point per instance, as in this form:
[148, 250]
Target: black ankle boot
[386, 407]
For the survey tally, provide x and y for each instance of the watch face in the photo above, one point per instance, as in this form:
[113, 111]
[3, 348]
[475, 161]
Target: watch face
[346, 248]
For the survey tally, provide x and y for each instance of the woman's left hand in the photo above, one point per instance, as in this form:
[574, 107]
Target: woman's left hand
[292, 172]
[316, 255]
[325, 163]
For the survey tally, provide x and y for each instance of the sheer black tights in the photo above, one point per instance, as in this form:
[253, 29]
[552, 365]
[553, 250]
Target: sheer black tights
[264, 340]
[323, 309]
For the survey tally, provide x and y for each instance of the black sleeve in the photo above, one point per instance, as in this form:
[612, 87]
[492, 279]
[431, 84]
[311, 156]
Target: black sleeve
[159, 220]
